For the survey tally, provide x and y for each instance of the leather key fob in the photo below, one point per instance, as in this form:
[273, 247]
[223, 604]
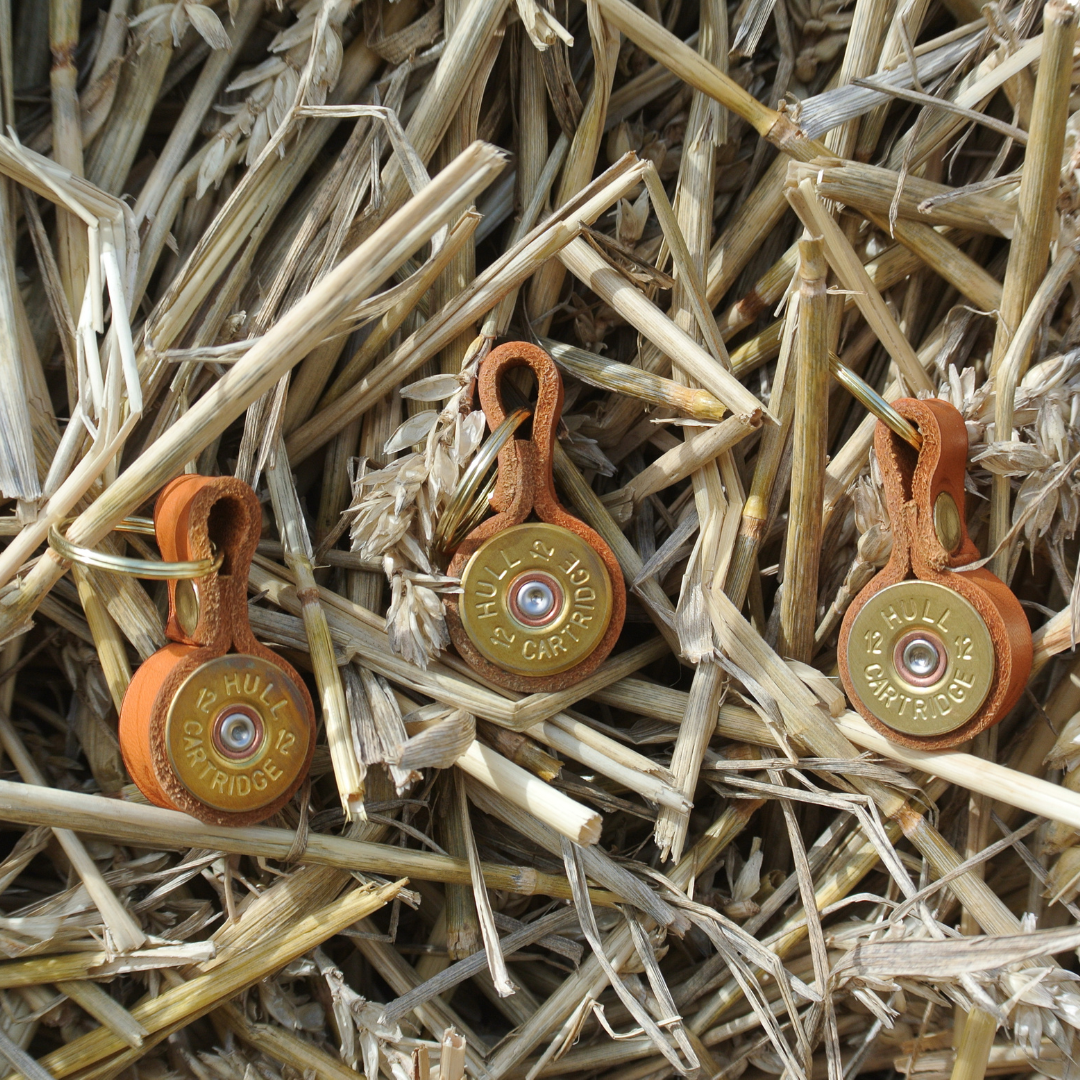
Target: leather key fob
[215, 724]
[542, 596]
[931, 654]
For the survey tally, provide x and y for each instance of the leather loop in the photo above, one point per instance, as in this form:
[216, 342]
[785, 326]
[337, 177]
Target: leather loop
[182, 520]
[194, 517]
[524, 464]
[914, 482]
[526, 487]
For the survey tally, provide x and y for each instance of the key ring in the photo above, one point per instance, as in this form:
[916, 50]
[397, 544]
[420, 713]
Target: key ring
[873, 402]
[930, 655]
[141, 526]
[123, 564]
[214, 723]
[469, 502]
[542, 598]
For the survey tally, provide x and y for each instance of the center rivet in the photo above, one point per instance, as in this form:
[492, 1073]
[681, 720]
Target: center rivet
[535, 598]
[237, 733]
[920, 658]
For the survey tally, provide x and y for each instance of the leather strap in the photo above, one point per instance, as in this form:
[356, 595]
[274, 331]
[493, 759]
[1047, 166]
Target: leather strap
[195, 517]
[913, 481]
[526, 486]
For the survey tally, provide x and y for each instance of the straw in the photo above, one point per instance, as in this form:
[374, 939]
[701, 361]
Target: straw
[279, 243]
[1035, 207]
[798, 611]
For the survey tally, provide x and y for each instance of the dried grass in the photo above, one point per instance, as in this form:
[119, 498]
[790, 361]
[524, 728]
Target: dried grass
[277, 241]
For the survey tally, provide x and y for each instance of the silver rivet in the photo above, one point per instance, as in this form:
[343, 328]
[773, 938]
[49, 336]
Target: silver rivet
[238, 732]
[536, 599]
[921, 657]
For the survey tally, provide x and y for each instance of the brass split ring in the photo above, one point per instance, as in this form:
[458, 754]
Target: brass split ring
[121, 564]
[873, 402]
[469, 502]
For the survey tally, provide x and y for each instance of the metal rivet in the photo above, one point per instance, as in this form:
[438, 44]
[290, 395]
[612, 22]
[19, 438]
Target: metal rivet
[548, 617]
[238, 733]
[947, 522]
[186, 604]
[920, 657]
[536, 599]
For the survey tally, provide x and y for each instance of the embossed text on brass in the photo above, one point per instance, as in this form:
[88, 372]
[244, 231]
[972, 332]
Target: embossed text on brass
[536, 599]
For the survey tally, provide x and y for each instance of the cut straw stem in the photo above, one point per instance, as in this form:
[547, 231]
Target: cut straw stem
[973, 1051]
[872, 189]
[294, 335]
[810, 436]
[697, 728]
[599, 866]
[348, 771]
[113, 152]
[975, 774]
[869, 23]
[68, 967]
[500, 977]
[1030, 248]
[755, 218]
[693, 68]
[680, 461]
[961, 271]
[592, 270]
[461, 932]
[463, 52]
[74, 250]
[631, 381]
[142, 826]
[107, 1011]
[576, 739]
[558, 811]
[755, 511]
[108, 641]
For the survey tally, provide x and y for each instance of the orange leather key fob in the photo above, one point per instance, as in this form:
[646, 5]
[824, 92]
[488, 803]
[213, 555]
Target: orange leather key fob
[929, 654]
[215, 724]
[542, 597]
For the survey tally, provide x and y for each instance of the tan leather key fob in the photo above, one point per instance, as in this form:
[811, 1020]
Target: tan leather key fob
[542, 596]
[931, 654]
[215, 724]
